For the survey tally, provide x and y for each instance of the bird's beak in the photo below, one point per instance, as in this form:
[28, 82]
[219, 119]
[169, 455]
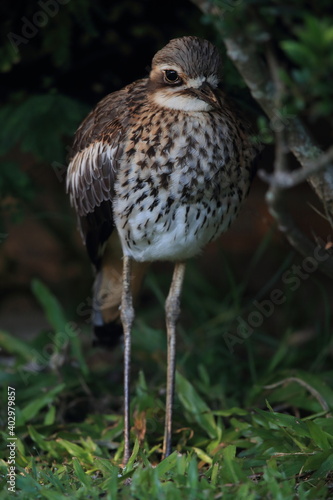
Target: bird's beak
[206, 93]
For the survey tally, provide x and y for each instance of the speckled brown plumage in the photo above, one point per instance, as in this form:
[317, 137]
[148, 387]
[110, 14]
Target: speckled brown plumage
[151, 170]
[166, 162]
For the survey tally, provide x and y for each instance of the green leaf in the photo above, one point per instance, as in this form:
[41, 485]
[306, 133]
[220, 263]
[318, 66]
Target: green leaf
[31, 123]
[76, 451]
[14, 345]
[298, 52]
[320, 437]
[130, 463]
[196, 406]
[192, 474]
[167, 464]
[50, 416]
[82, 476]
[105, 466]
[8, 57]
[15, 181]
[52, 495]
[325, 467]
[202, 455]
[65, 331]
[40, 439]
[317, 461]
[231, 471]
[27, 484]
[231, 411]
[33, 408]
[52, 309]
[276, 420]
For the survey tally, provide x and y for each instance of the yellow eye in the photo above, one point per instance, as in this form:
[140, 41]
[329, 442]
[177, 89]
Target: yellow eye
[171, 76]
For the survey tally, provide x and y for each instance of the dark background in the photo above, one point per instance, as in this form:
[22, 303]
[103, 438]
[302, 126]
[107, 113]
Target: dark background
[48, 85]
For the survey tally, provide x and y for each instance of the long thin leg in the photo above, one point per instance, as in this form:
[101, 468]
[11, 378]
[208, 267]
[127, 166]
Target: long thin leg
[172, 309]
[127, 316]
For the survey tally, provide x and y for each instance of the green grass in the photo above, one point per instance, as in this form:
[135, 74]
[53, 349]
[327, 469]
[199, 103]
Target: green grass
[249, 424]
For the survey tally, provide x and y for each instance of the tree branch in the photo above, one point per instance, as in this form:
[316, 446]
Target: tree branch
[291, 179]
[263, 89]
[290, 133]
[300, 143]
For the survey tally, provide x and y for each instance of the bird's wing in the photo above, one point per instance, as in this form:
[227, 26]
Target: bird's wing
[236, 114]
[247, 134]
[95, 160]
[95, 156]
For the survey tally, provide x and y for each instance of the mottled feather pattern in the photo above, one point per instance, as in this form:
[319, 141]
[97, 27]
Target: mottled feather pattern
[190, 179]
[91, 176]
[204, 61]
[97, 151]
[167, 165]
[194, 159]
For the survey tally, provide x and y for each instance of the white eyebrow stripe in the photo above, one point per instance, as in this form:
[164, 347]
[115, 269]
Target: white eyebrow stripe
[173, 67]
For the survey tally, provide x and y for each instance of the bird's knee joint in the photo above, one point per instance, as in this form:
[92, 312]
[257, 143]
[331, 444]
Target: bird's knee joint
[127, 315]
[172, 308]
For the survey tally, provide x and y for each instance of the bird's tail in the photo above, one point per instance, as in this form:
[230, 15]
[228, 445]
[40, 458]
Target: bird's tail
[107, 293]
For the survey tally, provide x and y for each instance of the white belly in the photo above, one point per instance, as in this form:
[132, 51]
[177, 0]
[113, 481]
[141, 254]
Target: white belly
[178, 236]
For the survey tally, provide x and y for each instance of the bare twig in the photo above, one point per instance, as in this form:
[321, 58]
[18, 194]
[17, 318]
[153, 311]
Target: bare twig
[300, 143]
[307, 386]
[291, 179]
[281, 148]
[295, 453]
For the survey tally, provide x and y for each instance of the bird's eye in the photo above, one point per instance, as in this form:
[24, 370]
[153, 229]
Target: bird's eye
[171, 76]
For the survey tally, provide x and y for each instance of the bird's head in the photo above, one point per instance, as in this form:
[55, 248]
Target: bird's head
[185, 75]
